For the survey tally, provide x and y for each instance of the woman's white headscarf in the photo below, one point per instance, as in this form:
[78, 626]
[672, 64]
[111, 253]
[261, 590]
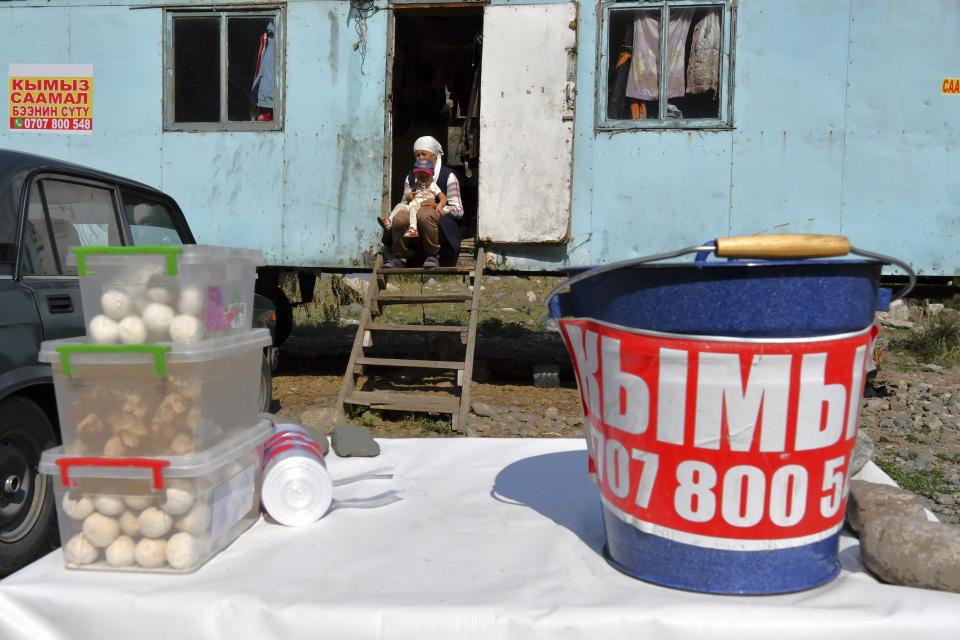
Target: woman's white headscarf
[429, 143]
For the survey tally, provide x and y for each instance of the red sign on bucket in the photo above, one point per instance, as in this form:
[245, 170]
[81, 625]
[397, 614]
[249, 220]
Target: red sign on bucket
[721, 443]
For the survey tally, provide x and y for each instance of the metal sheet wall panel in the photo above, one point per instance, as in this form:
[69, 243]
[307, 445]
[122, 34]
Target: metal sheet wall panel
[902, 191]
[787, 172]
[526, 130]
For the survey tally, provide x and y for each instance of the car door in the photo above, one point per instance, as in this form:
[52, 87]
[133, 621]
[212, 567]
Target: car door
[64, 212]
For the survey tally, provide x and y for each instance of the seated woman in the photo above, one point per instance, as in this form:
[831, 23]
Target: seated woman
[438, 226]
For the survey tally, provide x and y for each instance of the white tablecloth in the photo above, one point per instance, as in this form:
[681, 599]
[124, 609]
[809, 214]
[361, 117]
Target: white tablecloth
[493, 539]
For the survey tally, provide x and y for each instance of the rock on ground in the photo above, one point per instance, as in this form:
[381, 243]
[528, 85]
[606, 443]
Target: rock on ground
[321, 419]
[353, 441]
[481, 409]
[914, 553]
[870, 500]
[862, 452]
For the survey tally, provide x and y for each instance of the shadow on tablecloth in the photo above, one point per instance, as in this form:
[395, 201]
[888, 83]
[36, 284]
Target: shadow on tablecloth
[556, 486]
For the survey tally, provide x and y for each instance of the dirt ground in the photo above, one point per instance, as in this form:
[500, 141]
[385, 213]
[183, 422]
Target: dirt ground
[911, 409]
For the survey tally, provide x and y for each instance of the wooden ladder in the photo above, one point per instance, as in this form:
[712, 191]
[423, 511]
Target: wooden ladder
[377, 297]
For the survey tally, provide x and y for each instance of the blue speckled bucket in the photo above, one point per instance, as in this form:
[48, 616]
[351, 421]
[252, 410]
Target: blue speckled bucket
[754, 306]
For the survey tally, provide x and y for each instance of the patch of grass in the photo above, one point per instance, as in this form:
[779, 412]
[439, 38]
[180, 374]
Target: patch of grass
[920, 482]
[914, 439]
[912, 455]
[952, 459]
[939, 343]
[431, 425]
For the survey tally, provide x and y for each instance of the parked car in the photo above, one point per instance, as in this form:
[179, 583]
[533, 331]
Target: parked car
[46, 207]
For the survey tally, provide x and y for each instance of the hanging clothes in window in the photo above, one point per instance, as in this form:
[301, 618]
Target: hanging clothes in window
[644, 81]
[262, 92]
[703, 70]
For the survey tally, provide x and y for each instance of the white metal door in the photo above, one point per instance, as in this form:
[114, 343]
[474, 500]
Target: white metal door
[526, 122]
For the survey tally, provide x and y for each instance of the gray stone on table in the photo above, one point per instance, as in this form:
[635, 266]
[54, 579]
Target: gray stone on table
[869, 500]
[862, 452]
[350, 441]
[481, 409]
[913, 553]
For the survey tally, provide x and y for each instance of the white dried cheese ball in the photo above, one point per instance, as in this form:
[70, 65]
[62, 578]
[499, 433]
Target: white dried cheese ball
[120, 553]
[191, 301]
[116, 304]
[157, 318]
[179, 498]
[77, 509]
[130, 524]
[150, 554]
[196, 521]
[138, 503]
[161, 291]
[103, 330]
[101, 530]
[80, 551]
[154, 523]
[131, 330]
[109, 505]
[185, 328]
[182, 551]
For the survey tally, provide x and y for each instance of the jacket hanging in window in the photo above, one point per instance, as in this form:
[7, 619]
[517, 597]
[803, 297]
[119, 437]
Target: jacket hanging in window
[644, 81]
[703, 71]
[261, 94]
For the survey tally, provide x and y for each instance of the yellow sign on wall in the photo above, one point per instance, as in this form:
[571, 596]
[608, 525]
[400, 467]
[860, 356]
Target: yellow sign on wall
[51, 97]
[951, 86]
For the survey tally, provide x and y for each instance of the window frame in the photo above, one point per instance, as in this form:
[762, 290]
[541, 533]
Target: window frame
[277, 13]
[727, 59]
[36, 180]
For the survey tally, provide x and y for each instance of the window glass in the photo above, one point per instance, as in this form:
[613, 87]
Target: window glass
[39, 258]
[80, 215]
[196, 69]
[151, 222]
[690, 58]
[251, 68]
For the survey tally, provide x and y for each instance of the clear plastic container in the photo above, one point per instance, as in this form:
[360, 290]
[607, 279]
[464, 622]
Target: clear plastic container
[155, 399]
[134, 295]
[162, 514]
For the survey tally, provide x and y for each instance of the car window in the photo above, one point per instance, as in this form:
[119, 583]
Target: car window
[80, 215]
[39, 257]
[151, 221]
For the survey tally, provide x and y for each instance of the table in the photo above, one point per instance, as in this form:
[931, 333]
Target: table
[493, 539]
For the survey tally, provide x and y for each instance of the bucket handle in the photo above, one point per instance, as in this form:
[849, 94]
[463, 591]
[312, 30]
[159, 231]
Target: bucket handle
[772, 246]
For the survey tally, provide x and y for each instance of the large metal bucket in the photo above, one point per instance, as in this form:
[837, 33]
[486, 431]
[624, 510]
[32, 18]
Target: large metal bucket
[721, 402]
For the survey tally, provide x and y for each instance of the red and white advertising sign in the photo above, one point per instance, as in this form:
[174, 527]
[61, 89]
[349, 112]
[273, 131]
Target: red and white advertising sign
[720, 443]
[56, 98]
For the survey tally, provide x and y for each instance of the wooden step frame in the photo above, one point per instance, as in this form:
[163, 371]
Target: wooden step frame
[458, 406]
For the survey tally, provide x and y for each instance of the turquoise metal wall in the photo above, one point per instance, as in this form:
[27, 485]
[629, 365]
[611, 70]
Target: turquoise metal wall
[306, 195]
[839, 127]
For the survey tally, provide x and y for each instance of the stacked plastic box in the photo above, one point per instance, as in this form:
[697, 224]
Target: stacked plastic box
[160, 465]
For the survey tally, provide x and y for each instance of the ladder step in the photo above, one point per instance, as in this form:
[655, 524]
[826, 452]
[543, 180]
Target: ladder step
[422, 364]
[440, 297]
[422, 270]
[404, 401]
[425, 328]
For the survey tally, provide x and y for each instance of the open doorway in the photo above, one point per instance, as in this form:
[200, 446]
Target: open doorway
[436, 92]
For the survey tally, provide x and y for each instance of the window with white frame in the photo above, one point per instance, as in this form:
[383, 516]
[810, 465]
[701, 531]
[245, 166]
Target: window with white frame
[665, 64]
[224, 69]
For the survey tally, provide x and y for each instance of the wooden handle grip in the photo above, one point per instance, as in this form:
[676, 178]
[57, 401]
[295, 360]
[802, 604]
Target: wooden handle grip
[787, 245]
